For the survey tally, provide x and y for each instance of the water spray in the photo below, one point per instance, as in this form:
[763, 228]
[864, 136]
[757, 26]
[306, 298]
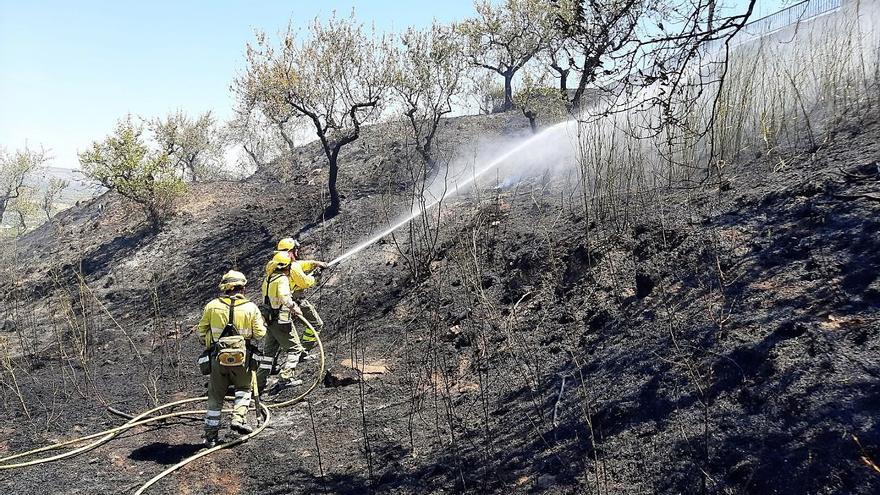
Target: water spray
[460, 186]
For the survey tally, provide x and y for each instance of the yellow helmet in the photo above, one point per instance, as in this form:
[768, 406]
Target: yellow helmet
[231, 280]
[287, 244]
[281, 260]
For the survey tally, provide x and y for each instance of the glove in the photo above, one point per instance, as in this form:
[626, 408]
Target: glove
[297, 310]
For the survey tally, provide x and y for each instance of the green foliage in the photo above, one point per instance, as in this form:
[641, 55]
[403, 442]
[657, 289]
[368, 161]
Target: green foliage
[427, 76]
[193, 146]
[537, 100]
[333, 80]
[503, 38]
[15, 195]
[123, 163]
[53, 193]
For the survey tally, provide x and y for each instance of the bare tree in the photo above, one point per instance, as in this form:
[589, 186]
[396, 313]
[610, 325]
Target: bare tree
[622, 44]
[334, 79]
[427, 77]
[14, 170]
[504, 38]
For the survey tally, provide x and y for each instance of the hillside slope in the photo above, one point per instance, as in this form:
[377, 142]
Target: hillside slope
[720, 340]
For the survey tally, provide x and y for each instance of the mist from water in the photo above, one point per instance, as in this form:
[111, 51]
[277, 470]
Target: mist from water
[550, 149]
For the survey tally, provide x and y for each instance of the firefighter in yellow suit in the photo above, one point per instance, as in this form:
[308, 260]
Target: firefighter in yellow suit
[301, 278]
[283, 348]
[229, 324]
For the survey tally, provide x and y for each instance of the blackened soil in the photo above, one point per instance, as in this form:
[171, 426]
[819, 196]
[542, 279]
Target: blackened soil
[717, 341]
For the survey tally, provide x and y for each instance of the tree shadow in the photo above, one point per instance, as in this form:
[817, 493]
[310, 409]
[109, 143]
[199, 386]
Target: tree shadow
[99, 262]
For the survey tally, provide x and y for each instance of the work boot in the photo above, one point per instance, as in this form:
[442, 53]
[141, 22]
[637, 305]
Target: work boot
[280, 385]
[211, 438]
[239, 425]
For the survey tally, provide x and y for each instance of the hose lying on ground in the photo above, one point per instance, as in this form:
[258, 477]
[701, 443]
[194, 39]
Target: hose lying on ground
[203, 453]
[278, 405]
[145, 418]
[105, 436]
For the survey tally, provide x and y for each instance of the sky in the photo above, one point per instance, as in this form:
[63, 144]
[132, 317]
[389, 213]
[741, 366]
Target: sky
[70, 70]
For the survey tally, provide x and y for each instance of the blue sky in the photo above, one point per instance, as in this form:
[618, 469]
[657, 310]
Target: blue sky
[69, 70]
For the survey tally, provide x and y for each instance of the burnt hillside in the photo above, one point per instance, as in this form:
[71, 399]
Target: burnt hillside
[721, 339]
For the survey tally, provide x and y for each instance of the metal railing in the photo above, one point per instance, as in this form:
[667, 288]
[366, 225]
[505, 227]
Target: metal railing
[798, 12]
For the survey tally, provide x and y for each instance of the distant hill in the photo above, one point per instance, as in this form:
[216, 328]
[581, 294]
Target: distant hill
[80, 188]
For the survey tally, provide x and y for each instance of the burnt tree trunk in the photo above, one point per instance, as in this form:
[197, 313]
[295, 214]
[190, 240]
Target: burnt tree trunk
[563, 78]
[588, 75]
[531, 116]
[508, 91]
[333, 208]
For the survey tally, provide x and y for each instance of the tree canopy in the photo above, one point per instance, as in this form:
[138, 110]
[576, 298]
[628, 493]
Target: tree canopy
[15, 168]
[428, 75]
[124, 163]
[333, 80]
[503, 38]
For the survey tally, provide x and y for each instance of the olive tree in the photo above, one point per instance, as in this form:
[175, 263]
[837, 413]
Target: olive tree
[53, 193]
[25, 207]
[560, 55]
[428, 75]
[589, 34]
[503, 38]
[124, 163]
[620, 45]
[333, 79]
[192, 145]
[258, 137]
[536, 98]
[262, 115]
[15, 168]
[483, 91]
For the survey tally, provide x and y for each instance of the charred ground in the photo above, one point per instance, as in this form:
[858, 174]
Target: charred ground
[720, 339]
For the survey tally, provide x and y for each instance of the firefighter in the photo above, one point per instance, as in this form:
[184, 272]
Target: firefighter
[283, 348]
[301, 278]
[228, 327]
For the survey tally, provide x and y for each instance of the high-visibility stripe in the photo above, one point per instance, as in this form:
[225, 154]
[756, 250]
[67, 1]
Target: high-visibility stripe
[212, 422]
[242, 393]
[266, 366]
[212, 413]
[204, 359]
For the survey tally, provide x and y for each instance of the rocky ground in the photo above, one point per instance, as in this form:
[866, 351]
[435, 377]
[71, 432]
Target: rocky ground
[721, 340]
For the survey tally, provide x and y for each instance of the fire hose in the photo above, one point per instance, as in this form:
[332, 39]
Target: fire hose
[145, 417]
